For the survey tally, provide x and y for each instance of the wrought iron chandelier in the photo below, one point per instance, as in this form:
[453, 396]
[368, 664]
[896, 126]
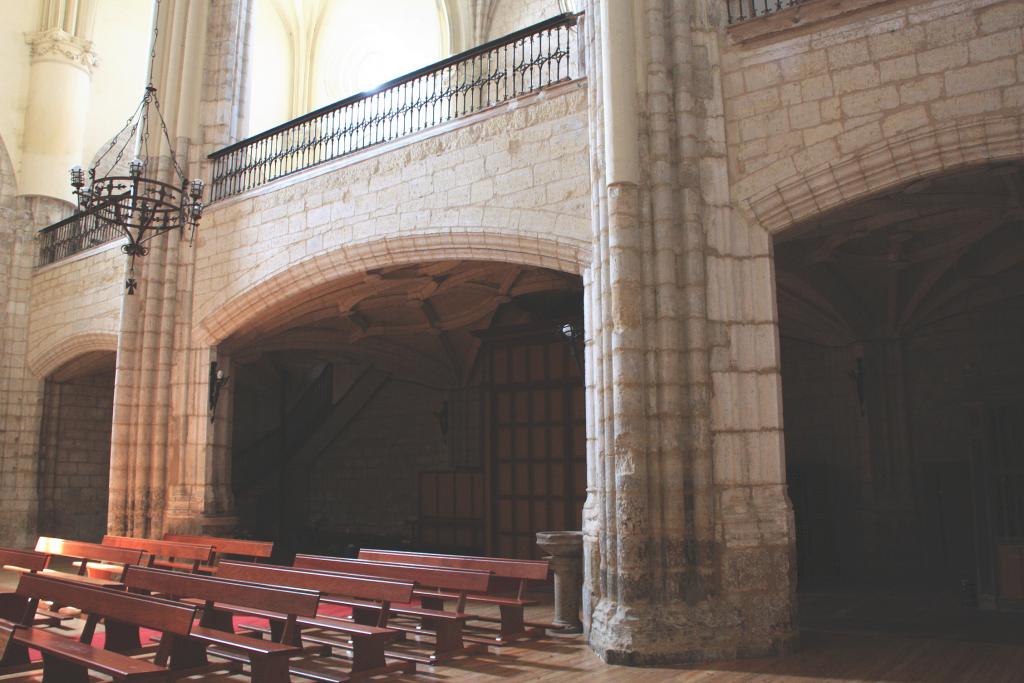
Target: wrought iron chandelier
[137, 204]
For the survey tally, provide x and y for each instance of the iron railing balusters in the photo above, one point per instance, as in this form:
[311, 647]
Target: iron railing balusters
[490, 74]
[744, 10]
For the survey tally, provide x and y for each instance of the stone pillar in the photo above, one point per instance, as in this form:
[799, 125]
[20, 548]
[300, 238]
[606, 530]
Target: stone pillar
[687, 529]
[566, 558]
[154, 360]
[58, 97]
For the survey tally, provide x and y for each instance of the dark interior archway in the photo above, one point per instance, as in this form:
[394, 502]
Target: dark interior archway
[74, 468]
[436, 405]
[902, 326]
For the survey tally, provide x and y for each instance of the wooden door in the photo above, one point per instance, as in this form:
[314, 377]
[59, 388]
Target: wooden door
[536, 429]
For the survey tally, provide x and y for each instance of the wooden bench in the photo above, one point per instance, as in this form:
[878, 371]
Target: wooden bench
[512, 622]
[366, 642]
[166, 551]
[31, 561]
[112, 560]
[24, 560]
[68, 661]
[446, 627]
[97, 565]
[236, 548]
[215, 634]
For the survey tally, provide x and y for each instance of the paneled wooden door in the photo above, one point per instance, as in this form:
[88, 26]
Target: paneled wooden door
[537, 441]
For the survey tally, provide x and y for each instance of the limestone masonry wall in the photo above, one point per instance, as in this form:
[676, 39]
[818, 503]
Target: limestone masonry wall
[76, 308]
[494, 186]
[803, 102]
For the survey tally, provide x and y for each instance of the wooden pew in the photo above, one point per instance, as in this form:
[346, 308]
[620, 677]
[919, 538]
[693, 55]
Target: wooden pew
[446, 626]
[112, 560]
[215, 634]
[196, 555]
[366, 642]
[512, 623]
[68, 661]
[236, 548]
[31, 561]
[24, 560]
[98, 565]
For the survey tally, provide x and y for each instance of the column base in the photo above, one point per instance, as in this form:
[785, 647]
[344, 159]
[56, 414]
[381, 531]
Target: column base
[738, 627]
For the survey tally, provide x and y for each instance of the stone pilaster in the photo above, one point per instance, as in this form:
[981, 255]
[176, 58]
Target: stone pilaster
[688, 532]
[21, 393]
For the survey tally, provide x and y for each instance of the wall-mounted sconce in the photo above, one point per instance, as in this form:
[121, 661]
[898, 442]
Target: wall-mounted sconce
[574, 336]
[217, 382]
[442, 419]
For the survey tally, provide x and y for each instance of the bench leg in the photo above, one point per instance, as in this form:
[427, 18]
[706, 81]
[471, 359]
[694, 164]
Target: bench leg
[367, 653]
[121, 637]
[61, 671]
[511, 621]
[448, 636]
[269, 669]
[364, 616]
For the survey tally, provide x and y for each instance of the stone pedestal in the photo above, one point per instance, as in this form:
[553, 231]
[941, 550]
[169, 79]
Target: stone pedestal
[566, 558]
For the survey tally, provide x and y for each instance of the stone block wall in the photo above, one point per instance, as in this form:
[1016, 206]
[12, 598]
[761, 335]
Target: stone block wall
[801, 102]
[75, 452]
[76, 307]
[367, 482]
[509, 182]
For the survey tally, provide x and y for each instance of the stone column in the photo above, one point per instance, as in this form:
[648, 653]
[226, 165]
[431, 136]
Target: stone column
[151, 394]
[688, 532]
[58, 97]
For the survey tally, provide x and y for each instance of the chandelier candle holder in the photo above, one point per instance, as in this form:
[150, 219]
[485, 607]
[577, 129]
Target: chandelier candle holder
[138, 205]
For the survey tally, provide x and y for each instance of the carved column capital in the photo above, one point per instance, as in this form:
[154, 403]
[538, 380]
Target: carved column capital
[54, 43]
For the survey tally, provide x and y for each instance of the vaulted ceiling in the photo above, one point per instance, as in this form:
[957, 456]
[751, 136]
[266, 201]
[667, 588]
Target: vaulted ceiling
[896, 263]
[417, 320]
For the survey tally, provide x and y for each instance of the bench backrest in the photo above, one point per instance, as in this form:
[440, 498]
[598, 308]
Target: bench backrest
[89, 552]
[297, 601]
[228, 546]
[6, 633]
[445, 578]
[328, 583]
[522, 570]
[153, 613]
[182, 551]
[25, 559]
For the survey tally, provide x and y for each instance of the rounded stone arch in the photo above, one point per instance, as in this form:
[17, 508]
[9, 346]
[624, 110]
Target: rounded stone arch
[570, 256]
[883, 165]
[65, 350]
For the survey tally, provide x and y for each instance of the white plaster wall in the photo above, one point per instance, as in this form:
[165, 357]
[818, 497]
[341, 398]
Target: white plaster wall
[121, 39]
[512, 15]
[19, 18]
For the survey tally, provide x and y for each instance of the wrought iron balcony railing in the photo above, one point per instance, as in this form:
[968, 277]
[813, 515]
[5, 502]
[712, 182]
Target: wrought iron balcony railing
[742, 10]
[503, 69]
[74, 234]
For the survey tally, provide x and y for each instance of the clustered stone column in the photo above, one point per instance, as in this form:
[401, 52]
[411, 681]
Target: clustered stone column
[688, 534]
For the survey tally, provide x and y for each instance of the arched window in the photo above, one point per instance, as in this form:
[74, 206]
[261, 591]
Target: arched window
[309, 53]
